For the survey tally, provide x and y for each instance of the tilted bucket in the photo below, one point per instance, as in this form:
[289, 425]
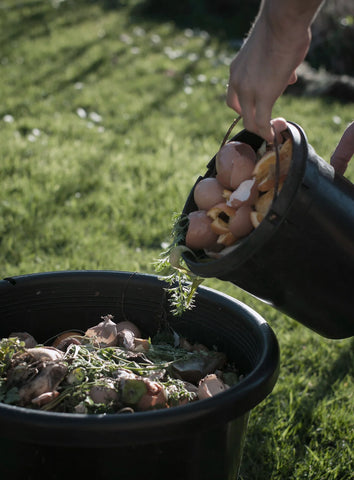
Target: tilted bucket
[300, 259]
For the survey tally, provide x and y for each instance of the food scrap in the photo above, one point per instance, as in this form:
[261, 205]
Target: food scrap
[235, 201]
[109, 368]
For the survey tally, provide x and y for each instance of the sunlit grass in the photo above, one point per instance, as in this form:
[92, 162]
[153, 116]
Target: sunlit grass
[107, 119]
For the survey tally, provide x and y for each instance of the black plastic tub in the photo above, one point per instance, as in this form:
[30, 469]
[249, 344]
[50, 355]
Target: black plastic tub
[300, 259]
[201, 440]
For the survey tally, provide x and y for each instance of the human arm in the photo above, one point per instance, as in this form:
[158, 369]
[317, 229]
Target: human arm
[277, 43]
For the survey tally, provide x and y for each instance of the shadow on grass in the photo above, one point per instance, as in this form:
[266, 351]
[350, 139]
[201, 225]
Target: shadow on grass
[264, 438]
[34, 19]
[227, 19]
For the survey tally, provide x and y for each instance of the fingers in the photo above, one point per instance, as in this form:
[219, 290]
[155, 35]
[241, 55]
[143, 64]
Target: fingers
[256, 115]
[344, 150]
[254, 106]
[279, 125]
[262, 119]
[232, 100]
[251, 101]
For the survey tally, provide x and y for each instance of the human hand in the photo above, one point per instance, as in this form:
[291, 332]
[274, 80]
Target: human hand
[263, 68]
[344, 150]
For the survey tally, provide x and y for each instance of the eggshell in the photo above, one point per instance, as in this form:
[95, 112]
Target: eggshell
[200, 234]
[127, 325]
[240, 224]
[235, 162]
[210, 386]
[245, 194]
[207, 193]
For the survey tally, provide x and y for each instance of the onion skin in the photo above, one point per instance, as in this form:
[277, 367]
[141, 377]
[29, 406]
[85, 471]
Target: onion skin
[105, 333]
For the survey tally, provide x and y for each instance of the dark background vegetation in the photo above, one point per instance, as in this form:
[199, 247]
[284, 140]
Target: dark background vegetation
[333, 29]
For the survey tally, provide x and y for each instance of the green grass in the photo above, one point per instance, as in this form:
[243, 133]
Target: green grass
[107, 118]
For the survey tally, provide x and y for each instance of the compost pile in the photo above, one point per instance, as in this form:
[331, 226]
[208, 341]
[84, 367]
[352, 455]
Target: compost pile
[109, 369]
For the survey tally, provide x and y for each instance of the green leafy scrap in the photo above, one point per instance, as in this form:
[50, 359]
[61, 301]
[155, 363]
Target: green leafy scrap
[183, 284]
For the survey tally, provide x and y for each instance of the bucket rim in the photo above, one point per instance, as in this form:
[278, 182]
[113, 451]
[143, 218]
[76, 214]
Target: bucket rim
[140, 427]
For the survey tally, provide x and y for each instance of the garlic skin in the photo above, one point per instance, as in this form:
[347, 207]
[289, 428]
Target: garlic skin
[105, 333]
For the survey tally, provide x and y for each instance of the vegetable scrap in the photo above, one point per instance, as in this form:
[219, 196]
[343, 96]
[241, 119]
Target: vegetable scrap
[230, 205]
[234, 202]
[108, 369]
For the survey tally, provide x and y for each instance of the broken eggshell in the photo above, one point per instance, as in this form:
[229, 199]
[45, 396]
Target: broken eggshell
[240, 224]
[199, 234]
[105, 393]
[128, 336]
[235, 162]
[210, 386]
[207, 193]
[155, 397]
[65, 335]
[245, 194]
[127, 325]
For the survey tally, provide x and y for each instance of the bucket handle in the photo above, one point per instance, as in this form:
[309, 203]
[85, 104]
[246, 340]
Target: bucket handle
[275, 144]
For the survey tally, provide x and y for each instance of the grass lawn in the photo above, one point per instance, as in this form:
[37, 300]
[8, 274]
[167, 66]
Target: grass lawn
[107, 117]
